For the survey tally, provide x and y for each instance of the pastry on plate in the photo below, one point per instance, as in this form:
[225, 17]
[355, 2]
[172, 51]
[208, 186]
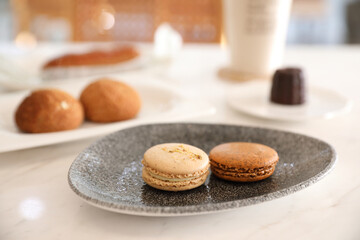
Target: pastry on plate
[243, 161]
[288, 87]
[94, 58]
[175, 167]
[49, 110]
[107, 100]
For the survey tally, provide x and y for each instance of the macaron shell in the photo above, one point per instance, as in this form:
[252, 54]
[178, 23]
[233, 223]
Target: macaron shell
[243, 155]
[173, 186]
[176, 158]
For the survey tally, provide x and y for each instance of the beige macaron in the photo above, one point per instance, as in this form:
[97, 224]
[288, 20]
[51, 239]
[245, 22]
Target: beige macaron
[175, 167]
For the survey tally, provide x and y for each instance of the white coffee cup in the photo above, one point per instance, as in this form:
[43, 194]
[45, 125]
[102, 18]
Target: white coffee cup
[255, 32]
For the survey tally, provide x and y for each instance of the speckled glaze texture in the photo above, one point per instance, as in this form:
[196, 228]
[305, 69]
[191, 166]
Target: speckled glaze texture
[108, 173]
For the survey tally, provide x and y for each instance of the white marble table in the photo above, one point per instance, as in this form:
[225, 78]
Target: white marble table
[37, 203]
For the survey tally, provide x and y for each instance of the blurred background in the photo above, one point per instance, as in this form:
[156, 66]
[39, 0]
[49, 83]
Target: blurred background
[33, 21]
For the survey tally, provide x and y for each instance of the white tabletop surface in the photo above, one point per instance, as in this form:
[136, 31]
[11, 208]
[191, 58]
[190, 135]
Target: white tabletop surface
[37, 203]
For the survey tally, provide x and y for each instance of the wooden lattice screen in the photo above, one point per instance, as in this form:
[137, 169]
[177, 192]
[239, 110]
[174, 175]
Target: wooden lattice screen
[135, 20]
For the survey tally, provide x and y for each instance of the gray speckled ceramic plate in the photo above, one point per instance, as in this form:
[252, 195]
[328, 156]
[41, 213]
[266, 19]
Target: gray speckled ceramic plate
[108, 173]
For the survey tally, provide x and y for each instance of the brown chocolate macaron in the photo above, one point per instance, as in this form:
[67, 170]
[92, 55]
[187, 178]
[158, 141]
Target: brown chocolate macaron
[243, 161]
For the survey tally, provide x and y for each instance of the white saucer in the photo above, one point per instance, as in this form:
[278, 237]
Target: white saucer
[253, 98]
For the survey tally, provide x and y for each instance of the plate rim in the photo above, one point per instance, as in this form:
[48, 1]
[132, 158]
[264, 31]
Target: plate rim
[158, 211]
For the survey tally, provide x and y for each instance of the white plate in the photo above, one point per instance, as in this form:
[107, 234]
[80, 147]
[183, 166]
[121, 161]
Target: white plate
[161, 103]
[253, 98]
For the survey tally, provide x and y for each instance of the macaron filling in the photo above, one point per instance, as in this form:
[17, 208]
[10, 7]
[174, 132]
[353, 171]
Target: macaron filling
[233, 170]
[170, 179]
[242, 172]
[172, 176]
[171, 185]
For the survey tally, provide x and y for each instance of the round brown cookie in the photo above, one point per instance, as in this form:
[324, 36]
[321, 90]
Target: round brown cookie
[243, 161]
[49, 110]
[106, 100]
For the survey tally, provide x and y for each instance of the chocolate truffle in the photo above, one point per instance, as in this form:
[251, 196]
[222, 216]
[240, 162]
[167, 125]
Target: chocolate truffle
[288, 87]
